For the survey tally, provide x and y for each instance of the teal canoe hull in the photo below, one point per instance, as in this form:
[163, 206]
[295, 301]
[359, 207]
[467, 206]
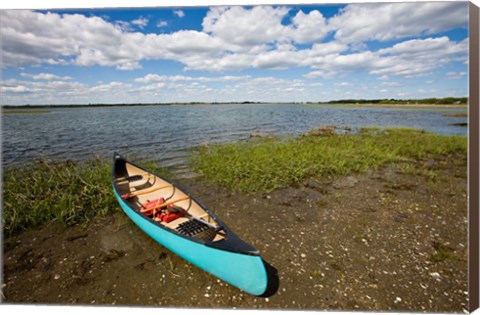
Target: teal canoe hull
[244, 271]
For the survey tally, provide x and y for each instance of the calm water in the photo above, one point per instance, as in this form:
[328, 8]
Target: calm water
[165, 133]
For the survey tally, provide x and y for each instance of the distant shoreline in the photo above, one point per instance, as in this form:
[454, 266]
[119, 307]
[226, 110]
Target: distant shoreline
[393, 105]
[10, 108]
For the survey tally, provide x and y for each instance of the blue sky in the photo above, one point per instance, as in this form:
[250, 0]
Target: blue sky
[287, 53]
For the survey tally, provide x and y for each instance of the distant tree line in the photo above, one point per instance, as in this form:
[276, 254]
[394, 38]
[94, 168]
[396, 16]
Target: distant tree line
[122, 104]
[445, 100]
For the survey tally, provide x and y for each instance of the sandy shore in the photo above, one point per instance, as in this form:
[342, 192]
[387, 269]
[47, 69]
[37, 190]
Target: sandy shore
[385, 240]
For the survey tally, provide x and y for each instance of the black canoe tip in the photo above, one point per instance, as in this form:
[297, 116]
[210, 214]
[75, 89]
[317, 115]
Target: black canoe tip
[273, 280]
[116, 156]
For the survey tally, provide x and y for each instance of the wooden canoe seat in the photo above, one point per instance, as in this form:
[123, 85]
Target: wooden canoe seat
[132, 178]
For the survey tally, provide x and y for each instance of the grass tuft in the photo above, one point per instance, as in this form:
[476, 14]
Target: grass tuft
[442, 255]
[70, 192]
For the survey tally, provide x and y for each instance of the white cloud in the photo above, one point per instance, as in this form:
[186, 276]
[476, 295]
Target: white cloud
[14, 89]
[391, 84]
[109, 87]
[62, 92]
[419, 56]
[41, 88]
[412, 58]
[140, 22]
[149, 78]
[162, 23]
[308, 28]
[457, 75]
[179, 13]
[35, 38]
[270, 88]
[417, 47]
[320, 74]
[283, 56]
[258, 25]
[44, 76]
[159, 78]
[277, 59]
[388, 21]
[202, 88]
[263, 24]
[328, 48]
[123, 26]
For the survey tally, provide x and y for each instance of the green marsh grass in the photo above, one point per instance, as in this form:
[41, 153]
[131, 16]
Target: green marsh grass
[70, 192]
[267, 164]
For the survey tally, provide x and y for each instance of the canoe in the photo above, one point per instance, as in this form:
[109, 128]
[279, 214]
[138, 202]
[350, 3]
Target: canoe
[178, 221]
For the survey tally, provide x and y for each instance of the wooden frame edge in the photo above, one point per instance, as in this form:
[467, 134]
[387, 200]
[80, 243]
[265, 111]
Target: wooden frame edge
[473, 158]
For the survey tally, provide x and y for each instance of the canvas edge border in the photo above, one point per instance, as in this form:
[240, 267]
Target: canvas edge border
[473, 157]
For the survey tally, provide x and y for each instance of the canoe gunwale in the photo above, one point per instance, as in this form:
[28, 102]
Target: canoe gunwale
[231, 243]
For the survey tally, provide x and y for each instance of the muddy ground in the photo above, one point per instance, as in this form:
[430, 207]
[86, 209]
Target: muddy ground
[386, 240]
